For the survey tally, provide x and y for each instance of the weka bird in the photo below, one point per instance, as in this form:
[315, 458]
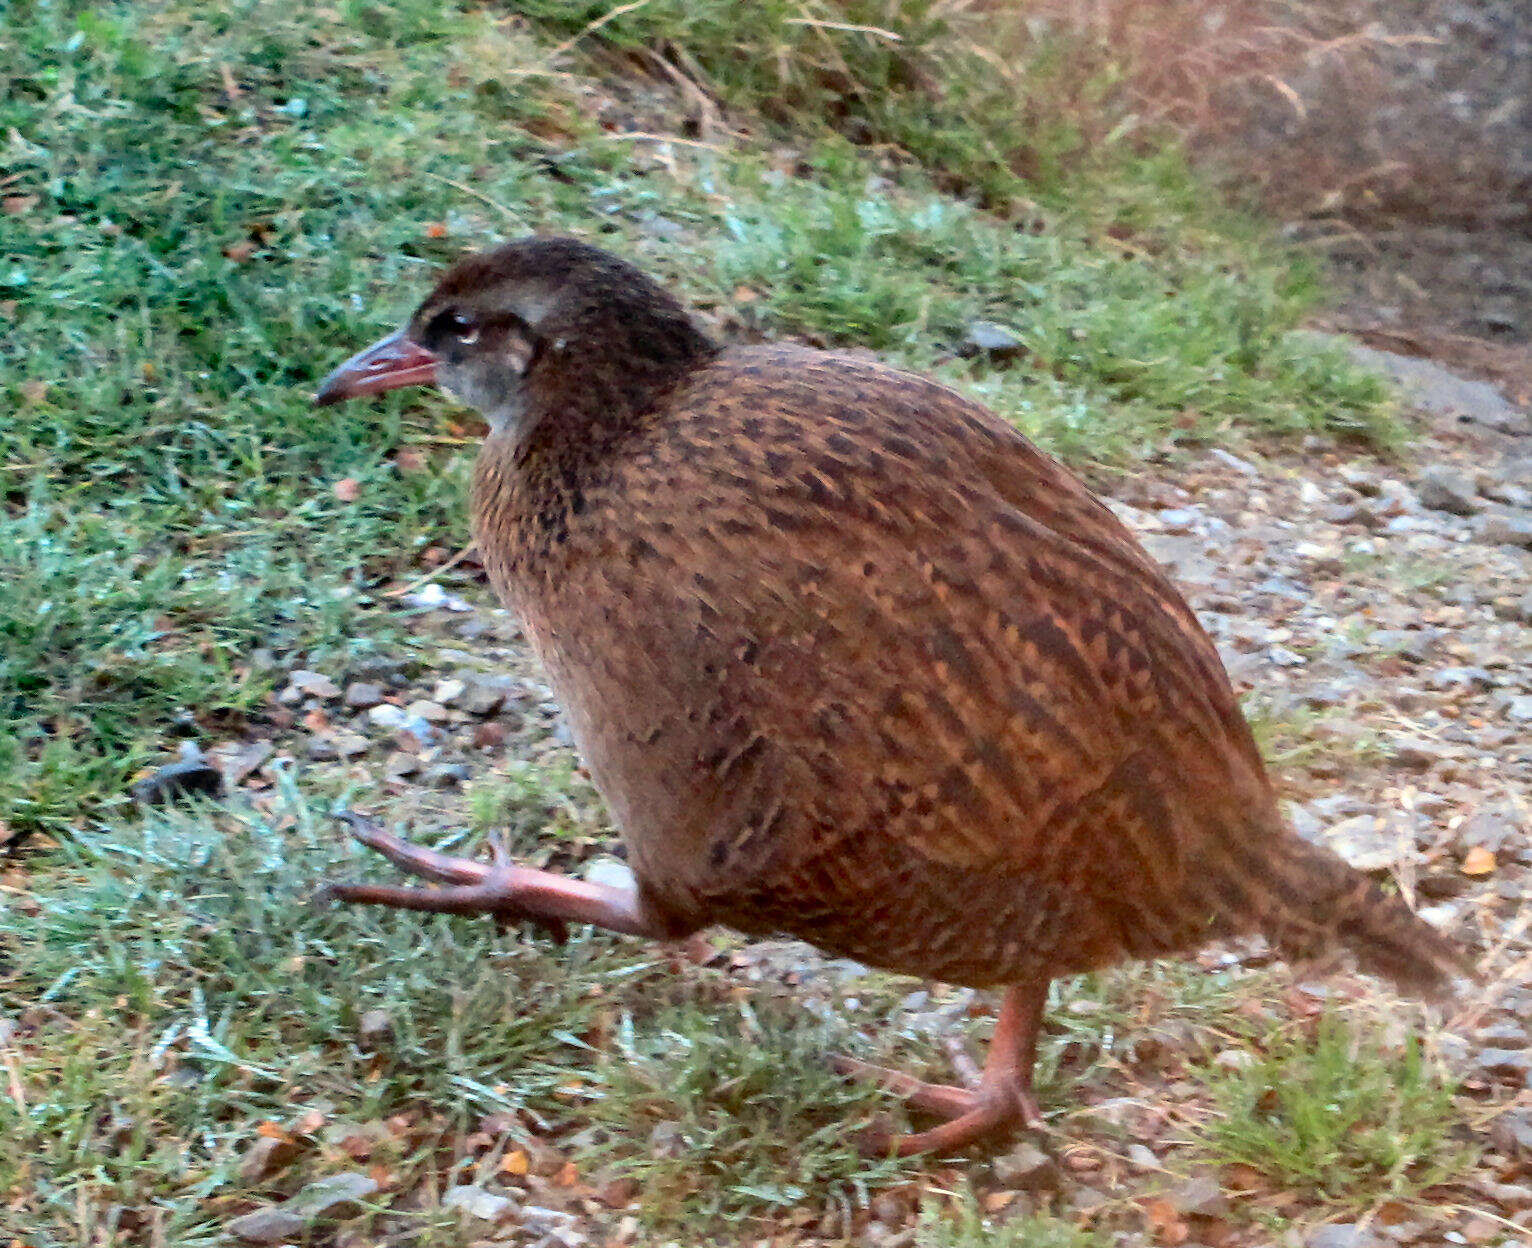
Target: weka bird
[852, 660]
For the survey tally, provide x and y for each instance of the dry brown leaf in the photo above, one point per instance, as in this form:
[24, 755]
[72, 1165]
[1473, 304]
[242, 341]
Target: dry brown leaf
[435, 229]
[1166, 1222]
[347, 489]
[1478, 861]
[515, 1162]
[240, 252]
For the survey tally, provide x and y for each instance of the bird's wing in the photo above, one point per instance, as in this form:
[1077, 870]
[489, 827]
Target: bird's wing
[955, 638]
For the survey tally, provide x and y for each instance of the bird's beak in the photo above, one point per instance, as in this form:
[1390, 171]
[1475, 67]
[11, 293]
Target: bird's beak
[386, 365]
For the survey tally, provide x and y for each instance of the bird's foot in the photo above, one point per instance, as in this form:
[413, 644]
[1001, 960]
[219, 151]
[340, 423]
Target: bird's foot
[470, 887]
[499, 888]
[971, 1112]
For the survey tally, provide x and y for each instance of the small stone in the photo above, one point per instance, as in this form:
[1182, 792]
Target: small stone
[1519, 708]
[447, 775]
[667, 1140]
[540, 1218]
[313, 684]
[1506, 529]
[1512, 1065]
[400, 765]
[1481, 1230]
[478, 1202]
[1504, 1035]
[1234, 1059]
[388, 716]
[1476, 678]
[332, 1195]
[289, 1219]
[416, 734]
[485, 697]
[320, 750]
[191, 775]
[991, 339]
[431, 712]
[1201, 1197]
[266, 1156]
[613, 872]
[449, 691]
[1141, 1157]
[1365, 844]
[490, 735]
[1342, 1235]
[618, 1193]
[267, 1226]
[1511, 1132]
[351, 744]
[1244, 467]
[1026, 1168]
[239, 762]
[375, 1029]
[362, 695]
[1444, 488]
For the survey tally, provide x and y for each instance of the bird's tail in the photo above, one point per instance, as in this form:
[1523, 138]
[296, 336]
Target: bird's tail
[1307, 901]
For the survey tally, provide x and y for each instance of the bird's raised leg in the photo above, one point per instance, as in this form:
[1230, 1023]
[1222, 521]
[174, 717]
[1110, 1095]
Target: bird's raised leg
[1002, 1096]
[498, 888]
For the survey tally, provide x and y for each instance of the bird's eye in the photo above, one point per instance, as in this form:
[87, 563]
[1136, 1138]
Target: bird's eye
[456, 325]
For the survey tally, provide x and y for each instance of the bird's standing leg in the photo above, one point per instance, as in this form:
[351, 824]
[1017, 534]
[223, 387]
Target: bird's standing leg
[499, 888]
[1002, 1096]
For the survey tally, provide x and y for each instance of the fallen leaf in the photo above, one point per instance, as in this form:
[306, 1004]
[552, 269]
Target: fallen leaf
[1166, 1222]
[435, 229]
[568, 1175]
[994, 1202]
[240, 252]
[409, 459]
[347, 489]
[1478, 861]
[1242, 1178]
[515, 1162]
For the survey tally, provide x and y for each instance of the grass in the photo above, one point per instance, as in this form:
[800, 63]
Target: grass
[204, 208]
[1335, 1115]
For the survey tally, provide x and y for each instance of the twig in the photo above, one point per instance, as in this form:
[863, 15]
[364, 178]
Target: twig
[644, 136]
[891, 35]
[13, 1076]
[592, 27]
[480, 195]
[432, 574]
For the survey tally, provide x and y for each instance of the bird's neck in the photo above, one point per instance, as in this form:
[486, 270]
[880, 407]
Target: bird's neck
[533, 482]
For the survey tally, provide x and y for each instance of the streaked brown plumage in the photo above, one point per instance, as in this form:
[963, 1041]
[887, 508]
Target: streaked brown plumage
[851, 659]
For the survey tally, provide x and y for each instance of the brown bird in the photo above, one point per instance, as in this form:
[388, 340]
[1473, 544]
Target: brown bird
[852, 660]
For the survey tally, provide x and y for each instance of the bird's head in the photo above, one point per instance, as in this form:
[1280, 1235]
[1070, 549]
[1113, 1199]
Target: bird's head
[535, 327]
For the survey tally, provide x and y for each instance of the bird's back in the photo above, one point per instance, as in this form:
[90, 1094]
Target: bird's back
[851, 659]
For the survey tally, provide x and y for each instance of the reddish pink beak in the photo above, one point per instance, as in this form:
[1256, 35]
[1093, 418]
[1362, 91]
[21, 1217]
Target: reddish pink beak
[386, 365]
